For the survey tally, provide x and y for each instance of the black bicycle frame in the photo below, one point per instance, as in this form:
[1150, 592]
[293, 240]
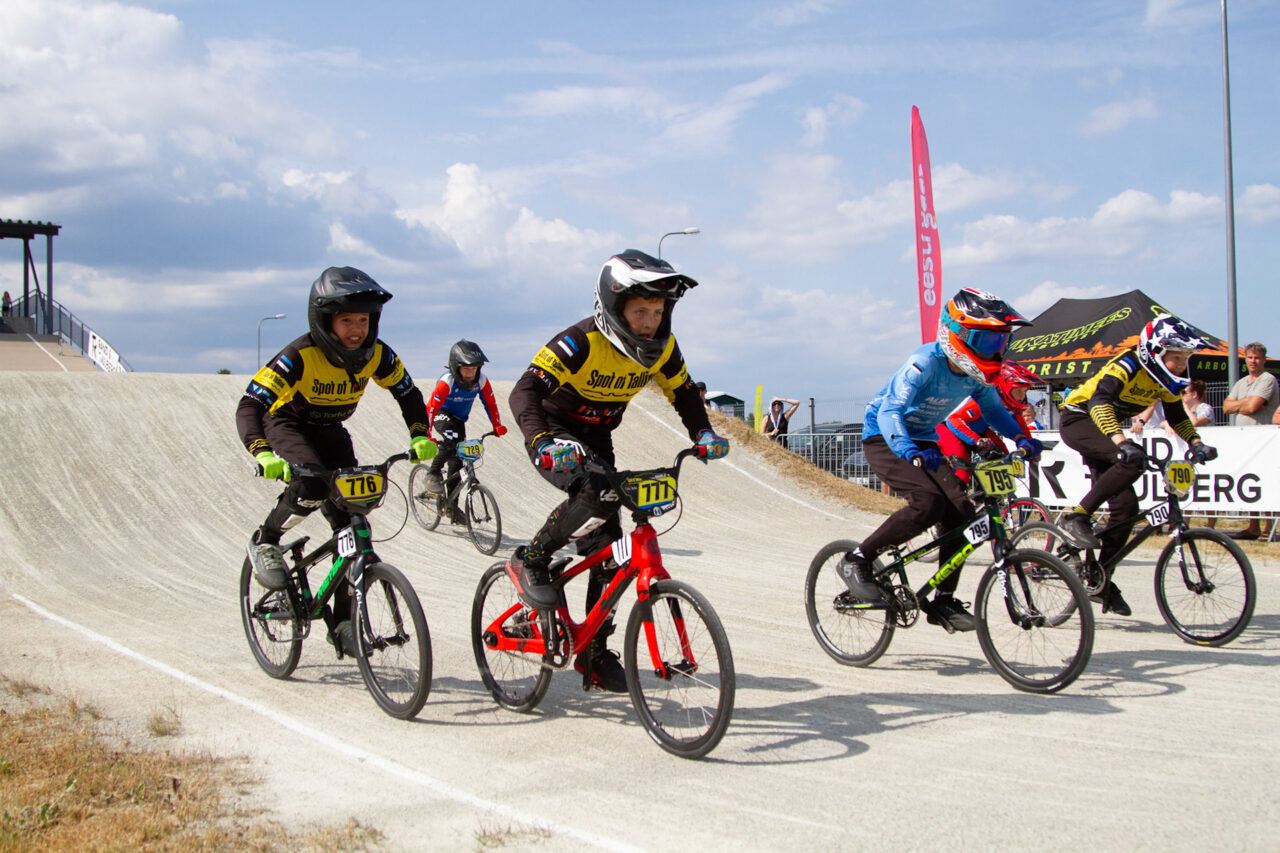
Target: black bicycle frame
[361, 535]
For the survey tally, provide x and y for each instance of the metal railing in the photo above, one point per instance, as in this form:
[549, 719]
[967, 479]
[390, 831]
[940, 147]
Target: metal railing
[60, 321]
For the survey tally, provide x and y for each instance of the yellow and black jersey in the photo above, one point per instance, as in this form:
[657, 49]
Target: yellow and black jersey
[580, 378]
[1120, 390]
[302, 385]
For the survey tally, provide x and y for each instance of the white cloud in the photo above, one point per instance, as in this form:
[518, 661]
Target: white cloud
[711, 127]
[839, 111]
[1044, 295]
[1259, 203]
[792, 14]
[574, 100]
[1109, 118]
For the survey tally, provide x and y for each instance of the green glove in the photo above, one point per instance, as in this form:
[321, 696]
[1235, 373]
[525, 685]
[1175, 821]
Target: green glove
[422, 449]
[273, 467]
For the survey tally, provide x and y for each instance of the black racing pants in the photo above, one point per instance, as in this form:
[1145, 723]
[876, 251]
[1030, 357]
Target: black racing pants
[302, 444]
[933, 497]
[1112, 480]
[588, 516]
[451, 430]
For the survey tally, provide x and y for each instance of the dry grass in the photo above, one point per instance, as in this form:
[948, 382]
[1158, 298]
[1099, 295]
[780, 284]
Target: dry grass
[66, 786]
[798, 470]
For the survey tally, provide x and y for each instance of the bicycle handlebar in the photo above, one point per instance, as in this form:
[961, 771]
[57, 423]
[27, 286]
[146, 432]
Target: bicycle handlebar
[325, 473]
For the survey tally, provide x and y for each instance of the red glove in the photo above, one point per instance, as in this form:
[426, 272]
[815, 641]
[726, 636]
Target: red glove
[499, 430]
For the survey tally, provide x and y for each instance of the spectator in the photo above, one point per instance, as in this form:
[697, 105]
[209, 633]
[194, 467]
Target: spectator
[702, 393]
[1254, 401]
[776, 420]
[1200, 412]
[7, 305]
[1028, 411]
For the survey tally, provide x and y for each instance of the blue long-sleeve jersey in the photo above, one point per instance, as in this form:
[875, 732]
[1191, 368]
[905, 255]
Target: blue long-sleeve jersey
[920, 396]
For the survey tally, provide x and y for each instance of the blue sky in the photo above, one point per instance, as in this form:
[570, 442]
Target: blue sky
[208, 159]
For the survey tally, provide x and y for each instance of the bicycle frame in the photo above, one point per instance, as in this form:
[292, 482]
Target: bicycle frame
[638, 558]
[995, 535]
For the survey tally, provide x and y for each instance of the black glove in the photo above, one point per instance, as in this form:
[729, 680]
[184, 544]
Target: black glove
[1201, 453]
[1131, 453]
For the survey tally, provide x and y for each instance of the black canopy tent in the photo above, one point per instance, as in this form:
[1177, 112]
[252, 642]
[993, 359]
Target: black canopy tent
[1074, 338]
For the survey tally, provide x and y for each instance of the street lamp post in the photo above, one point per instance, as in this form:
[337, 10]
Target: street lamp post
[694, 230]
[260, 322]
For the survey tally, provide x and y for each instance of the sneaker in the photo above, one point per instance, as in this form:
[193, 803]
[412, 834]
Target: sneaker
[268, 564]
[605, 672]
[1112, 601]
[346, 639]
[435, 483]
[856, 572]
[947, 611]
[1079, 527]
[532, 581]
[457, 516]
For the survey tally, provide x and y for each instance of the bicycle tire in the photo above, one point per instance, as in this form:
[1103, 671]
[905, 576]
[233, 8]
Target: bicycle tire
[516, 680]
[850, 635]
[686, 712]
[484, 521]
[1048, 537]
[273, 632]
[393, 648]
[1020, 511]
[1215, 606]
[427, 507]
[1027, 632]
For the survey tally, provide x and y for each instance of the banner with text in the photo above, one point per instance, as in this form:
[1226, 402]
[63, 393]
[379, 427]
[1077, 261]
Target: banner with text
[928, 249]
[1243, 480]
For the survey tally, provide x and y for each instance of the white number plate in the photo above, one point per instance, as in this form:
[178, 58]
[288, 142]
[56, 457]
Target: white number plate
[346, 543]
[979, 531]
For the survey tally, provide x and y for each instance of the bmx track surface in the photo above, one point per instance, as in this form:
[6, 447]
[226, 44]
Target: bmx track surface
[127, 502]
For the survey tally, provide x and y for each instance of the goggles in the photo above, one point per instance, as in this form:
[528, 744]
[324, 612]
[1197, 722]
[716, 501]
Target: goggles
[983, 342]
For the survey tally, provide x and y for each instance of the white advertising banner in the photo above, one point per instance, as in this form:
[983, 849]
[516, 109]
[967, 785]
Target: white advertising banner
[101, 354]
[1243, 480]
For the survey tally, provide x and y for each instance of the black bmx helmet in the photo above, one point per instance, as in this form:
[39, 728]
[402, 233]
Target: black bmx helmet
[343, 290]
[634, 273]
[465, 353]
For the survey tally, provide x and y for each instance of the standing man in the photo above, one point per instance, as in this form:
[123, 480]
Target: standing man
[1254, 401]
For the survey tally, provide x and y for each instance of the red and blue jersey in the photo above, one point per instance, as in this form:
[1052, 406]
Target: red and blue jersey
[448, 396]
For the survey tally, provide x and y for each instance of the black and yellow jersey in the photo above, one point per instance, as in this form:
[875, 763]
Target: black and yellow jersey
[1120, 390]
[302, 385]
[580, 378]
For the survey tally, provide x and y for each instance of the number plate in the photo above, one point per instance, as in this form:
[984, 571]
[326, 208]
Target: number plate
[1179, 477]
[999, 478]
[361, 488]
[470, 449]
[1158, 515]
[979, 531]
[654, 494]
[346, 542]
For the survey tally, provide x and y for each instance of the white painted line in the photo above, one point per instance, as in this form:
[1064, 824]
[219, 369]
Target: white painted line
[51, 355]
[750, 477]
[371, 759]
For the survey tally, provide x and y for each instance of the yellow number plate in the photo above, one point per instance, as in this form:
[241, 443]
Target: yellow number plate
[361, 488]
[999, 478]
[1179, 477]
[471, 449]
[650, 493]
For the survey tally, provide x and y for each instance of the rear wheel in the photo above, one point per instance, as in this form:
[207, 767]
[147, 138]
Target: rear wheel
[1034, 622]
[1048, 537]
[1020, 511]
[484, 522]
[681, 679]
[1205, 588]
[273, 631]
[393, 648]
[517, 680]
[852, 632]
[426, 505]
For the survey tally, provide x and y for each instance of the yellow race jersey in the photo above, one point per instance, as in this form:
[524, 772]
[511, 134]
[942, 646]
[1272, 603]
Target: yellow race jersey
[580, 378]
[1120, 390]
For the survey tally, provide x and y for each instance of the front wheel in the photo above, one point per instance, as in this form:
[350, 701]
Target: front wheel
[500, 623]
[273, 631]
[1046, 536]
[854, 633]
[1205, 588]
[427, 506]
[393, 648]
[1020, 511]
[681, 681]
[1034, 622]
[484, 522]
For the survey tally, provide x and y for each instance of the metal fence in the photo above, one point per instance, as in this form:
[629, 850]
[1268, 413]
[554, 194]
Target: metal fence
[62, 322]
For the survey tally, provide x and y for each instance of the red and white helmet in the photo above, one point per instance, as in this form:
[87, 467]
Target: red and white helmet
[973, 330]
[1013, 375]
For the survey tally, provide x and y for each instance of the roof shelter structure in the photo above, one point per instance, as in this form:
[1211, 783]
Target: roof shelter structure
[27, 231]
[1075, 338]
